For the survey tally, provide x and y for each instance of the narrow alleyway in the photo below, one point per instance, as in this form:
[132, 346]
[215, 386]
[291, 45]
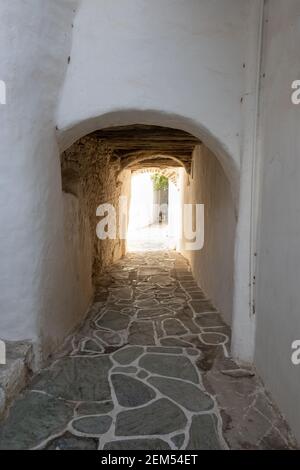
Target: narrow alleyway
[149, 369]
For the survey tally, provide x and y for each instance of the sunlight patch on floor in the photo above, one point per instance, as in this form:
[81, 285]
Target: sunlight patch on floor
[152, 238]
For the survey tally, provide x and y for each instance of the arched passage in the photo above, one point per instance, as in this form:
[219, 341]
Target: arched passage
[147, 117]
[103, 162]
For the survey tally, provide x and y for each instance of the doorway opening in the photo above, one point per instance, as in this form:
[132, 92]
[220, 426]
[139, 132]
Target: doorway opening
[154, 211]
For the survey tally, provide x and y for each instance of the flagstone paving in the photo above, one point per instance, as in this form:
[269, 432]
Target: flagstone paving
[150, 369]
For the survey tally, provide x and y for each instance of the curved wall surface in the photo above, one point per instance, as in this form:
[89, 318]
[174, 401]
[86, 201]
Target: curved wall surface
[35, 41]
[165, 62]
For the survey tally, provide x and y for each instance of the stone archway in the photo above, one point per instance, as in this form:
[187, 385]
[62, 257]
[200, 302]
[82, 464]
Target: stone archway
[243, 318]
[137, 146]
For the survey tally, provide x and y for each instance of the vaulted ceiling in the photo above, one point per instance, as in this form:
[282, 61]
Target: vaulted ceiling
[140, 146]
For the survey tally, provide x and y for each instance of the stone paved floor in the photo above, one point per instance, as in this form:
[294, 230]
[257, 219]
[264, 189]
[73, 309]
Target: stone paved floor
[149, 369]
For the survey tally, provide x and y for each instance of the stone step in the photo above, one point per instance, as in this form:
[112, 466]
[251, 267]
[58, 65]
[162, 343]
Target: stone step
[15, 373]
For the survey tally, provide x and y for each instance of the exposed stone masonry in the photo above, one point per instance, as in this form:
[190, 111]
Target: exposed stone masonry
[90, 171]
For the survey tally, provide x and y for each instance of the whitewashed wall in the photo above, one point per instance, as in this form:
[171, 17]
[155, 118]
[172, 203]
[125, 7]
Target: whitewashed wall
[278, 293]
[35, 41]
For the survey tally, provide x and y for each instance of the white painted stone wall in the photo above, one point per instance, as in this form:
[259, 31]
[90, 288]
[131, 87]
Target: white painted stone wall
[213, 265]
[278, 293]
[78, 260]
[35, 41]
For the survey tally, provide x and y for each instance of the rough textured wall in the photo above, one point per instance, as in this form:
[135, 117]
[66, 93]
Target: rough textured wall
[213, 265]
[90, 171]
[278, 293]
[78, 259]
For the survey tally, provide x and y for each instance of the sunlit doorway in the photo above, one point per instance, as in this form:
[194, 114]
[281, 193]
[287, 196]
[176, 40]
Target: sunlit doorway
[154, 210]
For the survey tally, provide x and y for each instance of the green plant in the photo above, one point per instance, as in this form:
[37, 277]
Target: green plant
[160, 182]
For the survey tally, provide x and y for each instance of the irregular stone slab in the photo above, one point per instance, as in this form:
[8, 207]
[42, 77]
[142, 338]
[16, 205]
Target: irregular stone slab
[14, 373]
[32, 419]
[186, 317]
[94, 408]
[91, 346]
[163, 350]
[123, 293]
[145, 296]
[199, 306]
[132, 275]
[104, 281]
[124, 303]
[207, 358]
[101, 296]
[147, 303]
[165, 290]
[145, 287]
[131, 392]
[153, 313]
[125, 370]
[70, 442]
[239, 373]
[150, 271]
[189, 285]
[273, 441]
[143, 374]
[76, 379]
[160, 417]
[203, 433]
[109, 337]
[161, 280]
[129, 310]
[119, 275]
[137, 444]
[178, 440]
[193, 352]
[93, 424]
[173, 327]
[161, 297]
[197, 295]
[171, 366]
[213, 338]
[2, 401]
[185, 394]
[209, 320]
[141, 333]
[175, 342]
[127, 355]
[174, 301]
[113, 321]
